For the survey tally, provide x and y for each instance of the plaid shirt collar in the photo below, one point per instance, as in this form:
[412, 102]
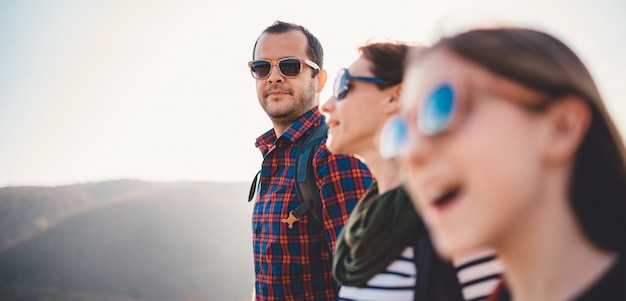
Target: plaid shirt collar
[266, 142]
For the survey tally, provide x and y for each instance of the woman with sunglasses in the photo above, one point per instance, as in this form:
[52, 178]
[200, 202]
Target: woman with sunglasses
[507, 144]
[374, 257]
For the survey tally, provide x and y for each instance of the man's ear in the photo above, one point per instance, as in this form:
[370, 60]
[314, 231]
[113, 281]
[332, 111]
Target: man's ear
[321, 80]
[569, 119]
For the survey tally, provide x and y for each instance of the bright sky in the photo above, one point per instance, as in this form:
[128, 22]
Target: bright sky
[160, 90]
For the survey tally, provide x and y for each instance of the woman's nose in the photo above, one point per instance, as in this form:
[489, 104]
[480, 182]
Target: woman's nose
[328, 106]
[419, 148]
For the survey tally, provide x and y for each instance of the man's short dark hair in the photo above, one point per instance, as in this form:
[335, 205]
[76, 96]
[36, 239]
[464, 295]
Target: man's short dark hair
[314, 51]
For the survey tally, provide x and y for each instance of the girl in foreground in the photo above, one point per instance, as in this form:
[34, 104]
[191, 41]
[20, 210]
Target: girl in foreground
[374, 258]
[509, 146]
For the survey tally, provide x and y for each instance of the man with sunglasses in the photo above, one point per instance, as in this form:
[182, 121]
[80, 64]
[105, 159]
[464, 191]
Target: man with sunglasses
[293, 256]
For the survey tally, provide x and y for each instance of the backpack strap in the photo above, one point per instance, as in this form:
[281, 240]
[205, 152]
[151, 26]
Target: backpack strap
[421, 257]
[436, 279]
[253, 185]
[305, 179]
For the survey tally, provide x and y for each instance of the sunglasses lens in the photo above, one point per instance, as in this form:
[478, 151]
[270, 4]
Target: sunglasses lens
[437, 111]
[340, 87]
[393, 137]
[289, 67]
[260, 69]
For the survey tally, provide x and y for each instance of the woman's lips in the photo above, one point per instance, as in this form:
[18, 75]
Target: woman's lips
[439, 201]
[446, 200]
[332, 123]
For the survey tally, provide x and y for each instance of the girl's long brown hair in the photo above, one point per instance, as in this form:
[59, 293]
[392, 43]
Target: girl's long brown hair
[544, 63]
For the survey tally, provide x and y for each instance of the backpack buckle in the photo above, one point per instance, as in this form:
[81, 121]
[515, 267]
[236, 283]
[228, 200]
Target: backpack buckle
[290, 220]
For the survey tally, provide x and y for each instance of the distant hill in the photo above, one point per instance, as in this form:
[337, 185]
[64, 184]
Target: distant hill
[126, 240]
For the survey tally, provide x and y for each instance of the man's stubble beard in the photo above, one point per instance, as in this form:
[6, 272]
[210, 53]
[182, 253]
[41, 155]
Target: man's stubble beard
[293, 111]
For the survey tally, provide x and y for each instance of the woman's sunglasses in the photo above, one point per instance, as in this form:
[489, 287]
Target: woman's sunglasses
[289, 67]
[434, 117]
[342, 83]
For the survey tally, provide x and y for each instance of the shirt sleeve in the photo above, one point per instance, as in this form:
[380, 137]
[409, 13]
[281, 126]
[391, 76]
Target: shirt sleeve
[342, 180]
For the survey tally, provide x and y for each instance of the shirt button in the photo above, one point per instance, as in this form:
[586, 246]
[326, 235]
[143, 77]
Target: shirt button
[257, 230]
[263, 190]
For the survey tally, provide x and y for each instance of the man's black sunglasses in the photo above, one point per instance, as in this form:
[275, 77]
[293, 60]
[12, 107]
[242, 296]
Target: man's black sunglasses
[288, 67]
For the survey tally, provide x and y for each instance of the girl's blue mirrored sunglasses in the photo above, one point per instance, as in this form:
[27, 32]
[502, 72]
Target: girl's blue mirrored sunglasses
[433, 117]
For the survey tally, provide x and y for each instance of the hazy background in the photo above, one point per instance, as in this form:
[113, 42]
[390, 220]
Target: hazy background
[160, 90]
[126, 241]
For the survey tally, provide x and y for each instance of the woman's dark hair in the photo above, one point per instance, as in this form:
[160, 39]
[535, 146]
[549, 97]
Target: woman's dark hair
[315, 52]
[388, 60]
[544, 63]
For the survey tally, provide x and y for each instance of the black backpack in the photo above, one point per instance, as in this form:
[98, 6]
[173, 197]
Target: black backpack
[304, 178]
[436, 279]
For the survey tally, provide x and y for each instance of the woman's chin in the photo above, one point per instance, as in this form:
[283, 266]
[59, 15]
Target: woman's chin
[332, 144]
[335, 148]
[448, 247]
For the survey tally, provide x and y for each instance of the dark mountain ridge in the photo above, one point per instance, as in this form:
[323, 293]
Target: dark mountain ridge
[126, 240]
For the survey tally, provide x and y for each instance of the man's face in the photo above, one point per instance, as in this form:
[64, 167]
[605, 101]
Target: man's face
[285, 99]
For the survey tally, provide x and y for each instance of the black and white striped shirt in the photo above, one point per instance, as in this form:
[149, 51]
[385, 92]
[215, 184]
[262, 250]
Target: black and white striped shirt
[478, 275]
